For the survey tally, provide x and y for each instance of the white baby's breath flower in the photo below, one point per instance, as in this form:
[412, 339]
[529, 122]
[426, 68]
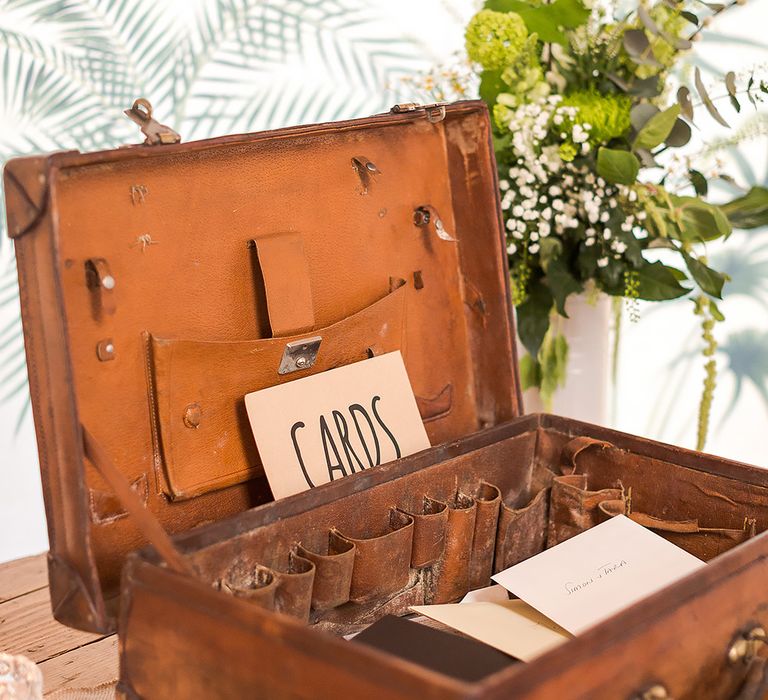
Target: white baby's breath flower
[503, 185]
[533, 249]
[602, 262]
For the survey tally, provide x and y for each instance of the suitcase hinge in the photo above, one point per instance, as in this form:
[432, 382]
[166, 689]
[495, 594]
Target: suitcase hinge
[156, 133]
[435, 112]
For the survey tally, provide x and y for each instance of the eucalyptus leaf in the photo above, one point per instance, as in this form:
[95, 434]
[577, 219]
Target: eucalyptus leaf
[730, 83]
[686, 105]
[639, 48]
[704, 95]
[648, 87]
[680, 134]
[749, 211]
[641, 113]
[646, 158]
[708, 279]
[699, 182]
[561, 283]
[751, 97]
[657, 128]
[620, 167]
[678, 42]
[659, 282]
[533, 316]
[690, 17]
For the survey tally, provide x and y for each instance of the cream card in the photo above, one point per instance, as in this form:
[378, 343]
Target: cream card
[594, 575]
[511, 626]
[489, 594]
[333, 424]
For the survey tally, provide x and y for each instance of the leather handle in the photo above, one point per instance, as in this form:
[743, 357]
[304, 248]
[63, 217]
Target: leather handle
[146, 522]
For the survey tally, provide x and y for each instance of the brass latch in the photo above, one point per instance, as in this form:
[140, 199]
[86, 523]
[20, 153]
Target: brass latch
[654, 692]
[747, 646]
[435, 112]
[155, 132]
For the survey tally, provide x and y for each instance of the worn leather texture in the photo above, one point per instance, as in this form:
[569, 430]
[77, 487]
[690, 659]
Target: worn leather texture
[159, 284]
[490, 500]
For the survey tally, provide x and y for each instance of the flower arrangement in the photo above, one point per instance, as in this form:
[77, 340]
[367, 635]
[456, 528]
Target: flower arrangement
[585, 117]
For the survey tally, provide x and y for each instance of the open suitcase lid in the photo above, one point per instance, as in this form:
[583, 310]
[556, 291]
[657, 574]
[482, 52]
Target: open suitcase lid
[161, 283]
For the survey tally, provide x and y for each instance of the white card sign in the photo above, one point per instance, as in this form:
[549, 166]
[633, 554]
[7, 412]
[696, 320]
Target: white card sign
[327, 426]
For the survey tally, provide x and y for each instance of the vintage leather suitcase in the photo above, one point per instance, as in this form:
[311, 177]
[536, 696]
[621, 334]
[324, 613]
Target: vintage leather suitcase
[162, 282]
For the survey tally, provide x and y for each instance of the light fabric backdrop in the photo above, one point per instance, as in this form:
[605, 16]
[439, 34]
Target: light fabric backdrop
[212, 67]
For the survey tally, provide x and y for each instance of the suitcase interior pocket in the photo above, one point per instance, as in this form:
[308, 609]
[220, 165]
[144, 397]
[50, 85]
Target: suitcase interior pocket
[202, 435]
[431, 535]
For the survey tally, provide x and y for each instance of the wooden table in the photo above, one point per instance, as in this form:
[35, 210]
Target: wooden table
[68, 658]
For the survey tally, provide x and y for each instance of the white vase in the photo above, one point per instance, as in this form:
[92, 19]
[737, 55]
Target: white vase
[587, 392]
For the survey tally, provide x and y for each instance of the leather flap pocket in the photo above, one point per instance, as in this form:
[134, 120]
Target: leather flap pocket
[203, 438]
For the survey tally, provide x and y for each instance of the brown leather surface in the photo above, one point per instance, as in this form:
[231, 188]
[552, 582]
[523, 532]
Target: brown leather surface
[677, 638]
[218, 449]
[287, 283]
[102, 269]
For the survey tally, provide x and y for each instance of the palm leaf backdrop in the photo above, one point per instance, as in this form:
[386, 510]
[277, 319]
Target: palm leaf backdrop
[69, 68]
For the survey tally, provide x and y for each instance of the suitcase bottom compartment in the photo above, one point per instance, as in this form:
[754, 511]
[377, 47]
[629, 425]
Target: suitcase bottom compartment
[428, 529]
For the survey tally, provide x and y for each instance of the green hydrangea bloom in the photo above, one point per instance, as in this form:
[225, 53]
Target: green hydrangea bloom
[525, 74]
[495, 39]
[608, 114]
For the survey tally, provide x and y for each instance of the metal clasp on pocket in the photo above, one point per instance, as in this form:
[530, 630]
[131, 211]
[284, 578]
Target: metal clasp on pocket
[299, 354]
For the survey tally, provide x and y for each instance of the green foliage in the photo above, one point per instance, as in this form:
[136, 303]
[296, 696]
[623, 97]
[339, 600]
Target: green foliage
[585, 114]
[533, 316]
[617, 166]
[708, 279]
[704, 308]
[656, 130]
[547, 21]
[659, 282]
[549, 370]
[561, 283]
[749, 211]
[696, 220]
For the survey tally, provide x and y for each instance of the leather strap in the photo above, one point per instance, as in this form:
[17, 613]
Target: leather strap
[576, 446]
[755, 685]
[146, 522]
[286, 283]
